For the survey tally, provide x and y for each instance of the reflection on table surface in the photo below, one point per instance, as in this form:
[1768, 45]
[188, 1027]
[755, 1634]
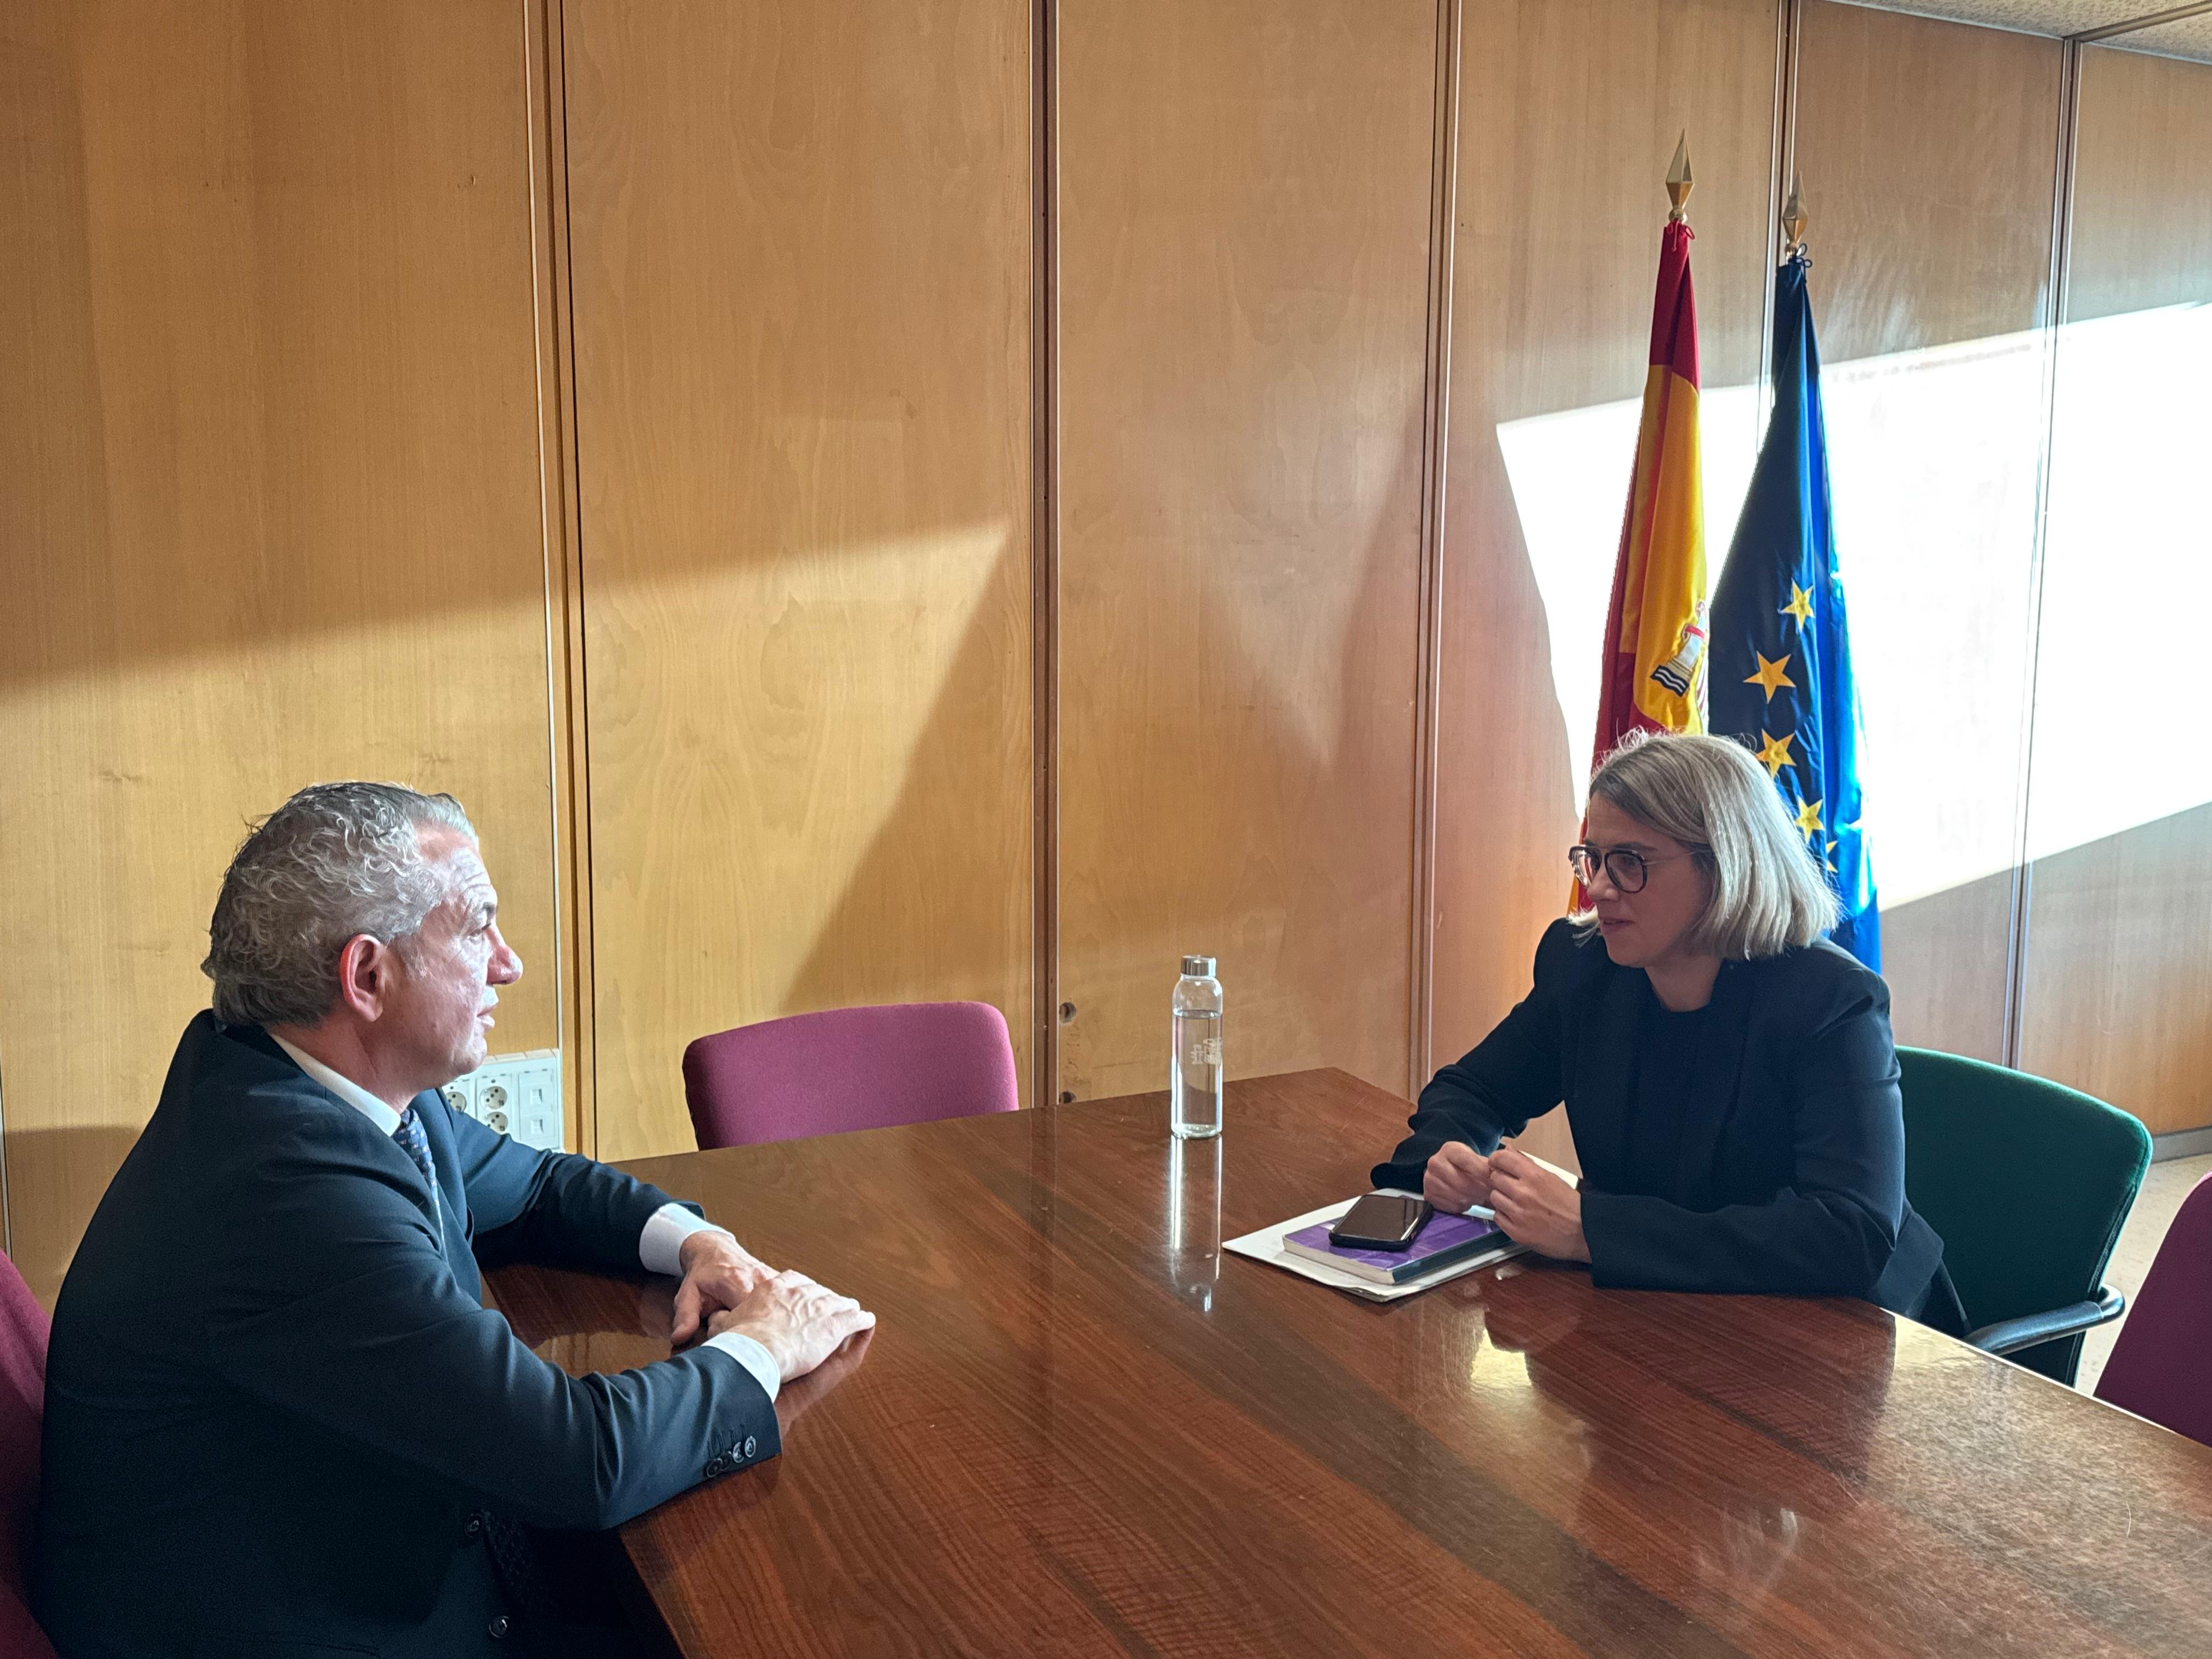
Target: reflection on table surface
[1080, 1428]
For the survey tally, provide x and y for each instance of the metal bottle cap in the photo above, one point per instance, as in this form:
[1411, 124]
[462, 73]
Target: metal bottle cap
[1198, 967]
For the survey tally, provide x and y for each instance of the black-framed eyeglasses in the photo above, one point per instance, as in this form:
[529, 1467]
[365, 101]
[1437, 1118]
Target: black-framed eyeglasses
[1627, 869]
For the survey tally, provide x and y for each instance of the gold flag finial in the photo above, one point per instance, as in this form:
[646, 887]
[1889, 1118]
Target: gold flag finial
[1678, 177]
[1793, 218]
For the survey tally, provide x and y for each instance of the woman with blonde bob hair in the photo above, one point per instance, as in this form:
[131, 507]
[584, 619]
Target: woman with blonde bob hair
[1729, 1074]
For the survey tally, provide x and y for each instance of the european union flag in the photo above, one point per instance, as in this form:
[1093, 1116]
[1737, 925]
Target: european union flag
[1780, 651]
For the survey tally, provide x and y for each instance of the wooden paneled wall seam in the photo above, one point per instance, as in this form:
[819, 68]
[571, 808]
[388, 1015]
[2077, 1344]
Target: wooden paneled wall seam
[2062, 219]
[1435, 456]
[564, 579]
[1042, 1083]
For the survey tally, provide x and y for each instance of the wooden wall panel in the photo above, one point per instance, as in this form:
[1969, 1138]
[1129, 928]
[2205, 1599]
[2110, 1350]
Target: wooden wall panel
[1244, 207]
[802, 267]
[1565, 133]
[1929, 152]
[271, 440]
[2142, 199]
[2118, 966]
[2119, 943]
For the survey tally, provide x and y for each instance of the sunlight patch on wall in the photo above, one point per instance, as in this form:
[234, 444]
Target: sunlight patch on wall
[1933, 457]
[2120, 674]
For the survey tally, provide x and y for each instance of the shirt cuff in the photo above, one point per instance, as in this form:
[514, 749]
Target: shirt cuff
[666, 1230]
[752, 1356]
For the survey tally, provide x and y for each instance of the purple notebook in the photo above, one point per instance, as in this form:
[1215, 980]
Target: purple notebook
[1447, 1241]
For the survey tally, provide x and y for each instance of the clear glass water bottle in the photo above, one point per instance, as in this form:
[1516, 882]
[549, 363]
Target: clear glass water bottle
[1194, 1073]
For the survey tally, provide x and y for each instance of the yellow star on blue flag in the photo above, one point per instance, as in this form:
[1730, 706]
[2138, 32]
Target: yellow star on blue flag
[1775, 752]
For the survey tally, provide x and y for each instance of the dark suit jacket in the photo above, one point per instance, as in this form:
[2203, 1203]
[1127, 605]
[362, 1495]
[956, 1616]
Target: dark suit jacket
[275, 1402]
[1794, 1180]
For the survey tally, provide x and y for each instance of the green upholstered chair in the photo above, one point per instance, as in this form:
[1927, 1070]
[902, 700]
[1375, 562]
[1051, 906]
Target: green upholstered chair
[2028, 1182]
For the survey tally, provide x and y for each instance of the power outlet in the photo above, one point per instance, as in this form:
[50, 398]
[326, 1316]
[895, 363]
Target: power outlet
[537, 1105]
[492, 1102]
[517, 1095]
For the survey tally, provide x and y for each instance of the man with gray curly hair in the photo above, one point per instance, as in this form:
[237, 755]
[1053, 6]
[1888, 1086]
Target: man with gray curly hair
[278, 1415]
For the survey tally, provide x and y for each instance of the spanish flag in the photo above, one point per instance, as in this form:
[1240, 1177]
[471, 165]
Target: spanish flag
[1654, 629]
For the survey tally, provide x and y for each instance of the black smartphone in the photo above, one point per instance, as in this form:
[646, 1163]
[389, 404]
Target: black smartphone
[1378, 1222]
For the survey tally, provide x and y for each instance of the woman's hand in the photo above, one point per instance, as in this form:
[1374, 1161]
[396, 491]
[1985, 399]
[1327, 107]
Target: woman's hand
[1455, 1177]
[1533, 1205]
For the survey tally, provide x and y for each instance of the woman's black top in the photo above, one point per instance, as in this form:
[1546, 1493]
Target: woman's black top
[1662, 1104]
[1755, 1144]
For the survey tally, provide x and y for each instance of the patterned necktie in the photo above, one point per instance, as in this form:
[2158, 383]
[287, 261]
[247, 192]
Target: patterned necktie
[416, 1145]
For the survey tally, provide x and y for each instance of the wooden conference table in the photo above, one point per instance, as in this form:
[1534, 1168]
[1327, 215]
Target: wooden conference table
[1081, 1428]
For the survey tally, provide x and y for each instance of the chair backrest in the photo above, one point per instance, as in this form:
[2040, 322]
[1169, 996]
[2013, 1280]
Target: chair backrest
[23, 1328]
[2026, 1181]
[849, 1068]
[2161, 1364]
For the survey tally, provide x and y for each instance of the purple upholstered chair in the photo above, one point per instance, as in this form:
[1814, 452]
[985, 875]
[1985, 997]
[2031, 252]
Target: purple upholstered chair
[850, 1068]
[22, 1407]
[2161, 1364]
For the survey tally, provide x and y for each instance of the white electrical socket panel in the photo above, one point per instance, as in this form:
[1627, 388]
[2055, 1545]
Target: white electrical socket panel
[517, 1095]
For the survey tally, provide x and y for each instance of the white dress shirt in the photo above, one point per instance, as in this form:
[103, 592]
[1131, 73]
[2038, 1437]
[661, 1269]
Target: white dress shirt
[658, 1246]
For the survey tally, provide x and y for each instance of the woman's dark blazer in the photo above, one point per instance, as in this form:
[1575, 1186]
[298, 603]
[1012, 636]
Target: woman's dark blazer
[1792, 1179]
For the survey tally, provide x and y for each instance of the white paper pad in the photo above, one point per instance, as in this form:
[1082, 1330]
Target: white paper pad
[1266, 1245]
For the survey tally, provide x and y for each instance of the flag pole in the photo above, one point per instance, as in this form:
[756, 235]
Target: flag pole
[1679, 181]
[1794, 219]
